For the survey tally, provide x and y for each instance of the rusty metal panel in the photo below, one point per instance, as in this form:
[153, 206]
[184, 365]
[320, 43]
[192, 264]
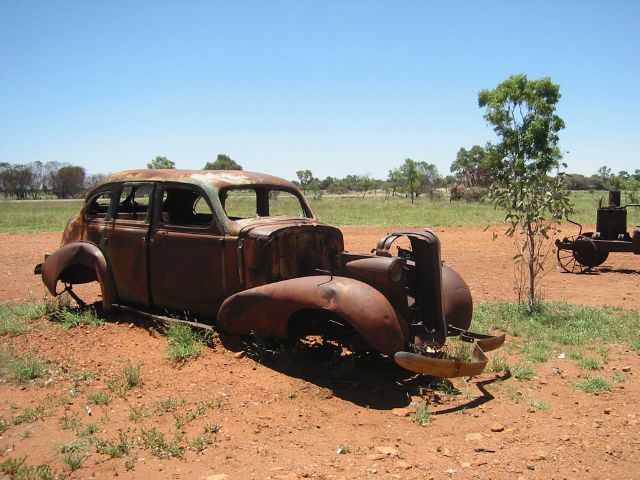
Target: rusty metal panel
[268, 308]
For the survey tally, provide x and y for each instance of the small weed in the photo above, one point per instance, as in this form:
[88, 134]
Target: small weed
[589, 364]
[293, 394]
[499, 363]
[422, 415]
[617, 377]
[79, 378]
[523, 371]
[211, 428]
[69, 421]
[129, 464]
[100, 398]
[137, 412]
[168, 404]
[575, 354]
[89, 429]
[443, 385]
[131, 375]
[26, 434]
[3, 424]
[76, 317]
[343, 449]
[74, 460]
[155, 441]
[514, 394]
[540, 404]
[593, 385]
[74, 446]
[200, 443]
[184, 343]
[603, 351]
[30, 415]
[115, 449]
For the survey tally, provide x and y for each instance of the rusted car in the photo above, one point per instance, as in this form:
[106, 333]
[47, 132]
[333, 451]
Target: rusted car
[245, 251]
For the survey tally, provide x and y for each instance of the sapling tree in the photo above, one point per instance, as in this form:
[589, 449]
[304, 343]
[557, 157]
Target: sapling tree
[523, 115]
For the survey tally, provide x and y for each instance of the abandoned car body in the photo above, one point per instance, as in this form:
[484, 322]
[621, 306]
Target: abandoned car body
[246, 251]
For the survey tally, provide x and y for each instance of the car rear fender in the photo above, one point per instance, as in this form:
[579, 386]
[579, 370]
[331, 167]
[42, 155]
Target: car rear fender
[267, 309]
[79, 254]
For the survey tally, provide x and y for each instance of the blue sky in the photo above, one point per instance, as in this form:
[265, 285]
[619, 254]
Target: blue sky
[336, 87]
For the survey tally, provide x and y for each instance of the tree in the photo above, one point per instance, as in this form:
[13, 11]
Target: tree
[161, 163]
[418, 177]
[471, 167]
[223, 162]
[68, 181]
[394, 180]
[305, 177]
[523, 115]
[604, 173]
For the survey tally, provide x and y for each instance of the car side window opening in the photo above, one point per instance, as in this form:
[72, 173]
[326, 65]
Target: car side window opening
[241, 203]
[98, 205]
[183, 206]
[134, 203]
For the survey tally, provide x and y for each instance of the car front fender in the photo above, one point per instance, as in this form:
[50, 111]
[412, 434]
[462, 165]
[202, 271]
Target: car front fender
[267, 309]
[79, 254]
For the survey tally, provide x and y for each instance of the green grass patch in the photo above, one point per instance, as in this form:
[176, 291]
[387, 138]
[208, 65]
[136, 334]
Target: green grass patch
[523, 371]
[184, 342]
[589, 364]
[30, 415]
[52, 215]
[593, 385]
[17, 318]
[17, 469]
[559, 323]
[31, 216]
[99, 398]
[540, 404]
[18, 368]
[155, 441]
[76, 317]
[115, 448]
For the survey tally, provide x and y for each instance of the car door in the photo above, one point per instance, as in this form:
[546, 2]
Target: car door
[127, 242]
[186, 252]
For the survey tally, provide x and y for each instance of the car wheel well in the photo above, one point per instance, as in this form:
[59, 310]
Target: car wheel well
[327, 324]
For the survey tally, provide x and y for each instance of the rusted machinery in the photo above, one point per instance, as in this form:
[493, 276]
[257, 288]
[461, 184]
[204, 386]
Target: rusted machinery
[584, 251]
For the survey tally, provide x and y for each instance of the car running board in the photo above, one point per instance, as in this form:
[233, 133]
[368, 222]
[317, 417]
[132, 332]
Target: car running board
[438, 367]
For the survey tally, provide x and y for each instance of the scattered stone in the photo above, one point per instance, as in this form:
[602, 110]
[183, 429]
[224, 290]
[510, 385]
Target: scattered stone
[607, 411]
[473, 437]
[450, 471]
[390, 451]
[539, 456]
[497, 427]
[403, 465]
[565, 437]
[240, 354]
[626, 369]
[401, 412]
[374, 457]
[465, 465]
[531, 466]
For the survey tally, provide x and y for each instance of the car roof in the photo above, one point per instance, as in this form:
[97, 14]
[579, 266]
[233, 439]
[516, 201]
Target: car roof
[218, 179]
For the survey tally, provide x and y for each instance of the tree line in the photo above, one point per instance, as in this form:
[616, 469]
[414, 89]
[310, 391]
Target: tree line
[37, 180]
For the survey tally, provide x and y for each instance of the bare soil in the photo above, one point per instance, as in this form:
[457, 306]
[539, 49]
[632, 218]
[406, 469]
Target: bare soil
[289, 416]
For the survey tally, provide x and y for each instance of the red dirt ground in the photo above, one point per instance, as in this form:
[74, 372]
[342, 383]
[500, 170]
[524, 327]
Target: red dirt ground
[286, 420]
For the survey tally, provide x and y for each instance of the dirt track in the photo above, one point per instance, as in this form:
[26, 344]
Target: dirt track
[287, 420]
